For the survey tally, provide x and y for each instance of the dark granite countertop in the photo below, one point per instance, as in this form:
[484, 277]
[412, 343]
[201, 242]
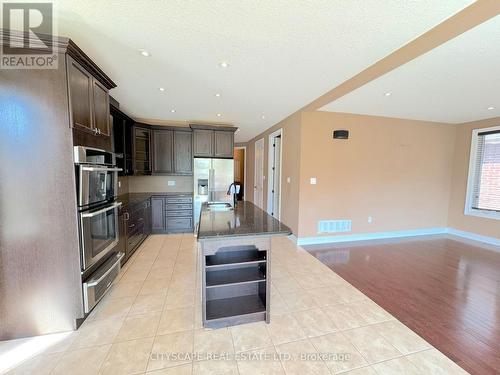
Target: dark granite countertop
[131, 199]
[245, 220]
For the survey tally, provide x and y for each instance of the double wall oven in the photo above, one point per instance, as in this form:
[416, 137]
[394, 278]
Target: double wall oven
[97, 186]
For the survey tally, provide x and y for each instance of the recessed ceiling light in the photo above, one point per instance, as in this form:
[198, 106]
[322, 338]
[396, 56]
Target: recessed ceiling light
[224, 64]
[172, 110]
[217, 95]
[491, 108]
[161, 89]
[145, 53]
[388, 93]
[219, 114]
[263, 117]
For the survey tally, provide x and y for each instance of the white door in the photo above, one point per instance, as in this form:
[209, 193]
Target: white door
[276, 191]
[258, 196]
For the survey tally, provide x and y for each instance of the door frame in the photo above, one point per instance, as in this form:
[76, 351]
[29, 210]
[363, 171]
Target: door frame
[244, 148]
[259, 141]
[270, 181]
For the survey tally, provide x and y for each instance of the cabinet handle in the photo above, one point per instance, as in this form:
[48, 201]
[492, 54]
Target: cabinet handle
[126, 216]
[99, 131]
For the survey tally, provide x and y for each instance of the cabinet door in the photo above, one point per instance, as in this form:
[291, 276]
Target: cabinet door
[158, 214]
[183, 152]
[163, 151]
[100, 108]
[223, 144]
[203, 143]
[80, 96]
[142, 151]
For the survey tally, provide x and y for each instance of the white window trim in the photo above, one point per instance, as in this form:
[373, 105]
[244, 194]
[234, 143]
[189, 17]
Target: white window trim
[469, 211]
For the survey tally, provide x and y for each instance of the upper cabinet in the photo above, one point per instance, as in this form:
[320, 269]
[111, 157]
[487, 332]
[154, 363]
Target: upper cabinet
[122, 126]
[213, 141]
[142, 150]
[172, 151]
[88, 101]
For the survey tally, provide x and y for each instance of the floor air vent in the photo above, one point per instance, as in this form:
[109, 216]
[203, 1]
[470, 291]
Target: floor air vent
[334, 226]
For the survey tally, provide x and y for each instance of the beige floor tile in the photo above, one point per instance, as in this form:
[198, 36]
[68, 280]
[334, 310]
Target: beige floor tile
[96, 333]
[309, 280]
[171, 350]
[83, 361]
[250, 336]
[314, 322]
[396, 367]
[122, 289]
[176, 320]
[139, 326]
[154, 286]
[297, 301]
[177, 370]
[135, 275]
[177, 298]
[260, 362]
[344, 316]
[110, 308]
[284, 328]
[372, 346]
[401, 337]
[368, 370]
[325, 296]
[39, 365]
[129, 357]
[278, 305]
[340, 353]
[215, 367]
[433, 362]
[165, 262]
[147, 304]
[348, 293]
[210, 343]
[301, 358]
[160, 273]
[370, 311]
[285, 285]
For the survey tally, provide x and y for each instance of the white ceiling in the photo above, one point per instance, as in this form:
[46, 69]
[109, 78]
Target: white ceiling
[454, 83]
[282, 53]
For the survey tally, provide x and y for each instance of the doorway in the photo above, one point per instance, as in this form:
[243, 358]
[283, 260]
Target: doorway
[258, 195]
[274, 181]
[240, 169]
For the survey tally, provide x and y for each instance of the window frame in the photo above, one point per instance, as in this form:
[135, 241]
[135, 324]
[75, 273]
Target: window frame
[469, 211]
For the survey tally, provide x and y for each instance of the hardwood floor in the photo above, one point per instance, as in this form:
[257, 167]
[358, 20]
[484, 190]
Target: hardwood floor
[446, 290]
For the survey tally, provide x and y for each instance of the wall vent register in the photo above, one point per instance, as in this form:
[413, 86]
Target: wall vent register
[334, 226]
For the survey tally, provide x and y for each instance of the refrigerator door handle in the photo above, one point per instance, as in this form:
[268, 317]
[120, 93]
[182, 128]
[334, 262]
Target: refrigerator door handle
[211, 179]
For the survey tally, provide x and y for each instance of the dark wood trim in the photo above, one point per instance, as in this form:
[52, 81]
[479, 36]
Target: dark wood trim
[214, 127]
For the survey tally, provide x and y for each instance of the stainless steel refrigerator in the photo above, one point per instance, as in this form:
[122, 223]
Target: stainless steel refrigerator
[212, 178]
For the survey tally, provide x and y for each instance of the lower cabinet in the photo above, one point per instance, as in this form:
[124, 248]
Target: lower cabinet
[172, 213]
[135, 226]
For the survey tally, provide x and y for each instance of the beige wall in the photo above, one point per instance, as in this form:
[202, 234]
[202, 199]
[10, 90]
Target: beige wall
[291, 127]
[457, 219]
[396, 171]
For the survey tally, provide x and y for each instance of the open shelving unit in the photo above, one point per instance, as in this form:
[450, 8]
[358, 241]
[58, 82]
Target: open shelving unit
[235, 284]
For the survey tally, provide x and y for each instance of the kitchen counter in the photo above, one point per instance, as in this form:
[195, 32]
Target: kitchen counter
[245, 220]
[131, 199]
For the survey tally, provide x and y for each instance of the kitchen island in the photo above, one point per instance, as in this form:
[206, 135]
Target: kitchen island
[235, 251]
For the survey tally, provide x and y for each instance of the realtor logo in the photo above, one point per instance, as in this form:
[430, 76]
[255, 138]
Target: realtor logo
[27, 36]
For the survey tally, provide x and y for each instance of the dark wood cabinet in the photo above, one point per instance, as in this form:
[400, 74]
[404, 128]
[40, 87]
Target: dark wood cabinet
[163, 156]
[80, 96]
[88, 101]
[158, 216]
[122, 128]
[100, 108]
[203, 142]
[223, 144]
[213, 141]
[135, 225]
[183, 152]
[142, 150]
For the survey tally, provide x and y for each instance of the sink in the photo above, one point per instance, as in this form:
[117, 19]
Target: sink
[215, 206]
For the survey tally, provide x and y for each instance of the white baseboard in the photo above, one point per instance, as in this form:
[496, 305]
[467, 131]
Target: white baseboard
[369, 236]
[476, 237]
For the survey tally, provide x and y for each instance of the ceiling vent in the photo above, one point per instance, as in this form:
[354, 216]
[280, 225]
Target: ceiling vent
[334, 226]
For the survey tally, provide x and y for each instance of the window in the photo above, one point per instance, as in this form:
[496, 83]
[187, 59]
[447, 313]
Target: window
[483, 189]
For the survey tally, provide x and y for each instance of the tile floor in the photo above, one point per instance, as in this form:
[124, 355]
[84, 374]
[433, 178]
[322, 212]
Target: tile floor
[150, 323]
